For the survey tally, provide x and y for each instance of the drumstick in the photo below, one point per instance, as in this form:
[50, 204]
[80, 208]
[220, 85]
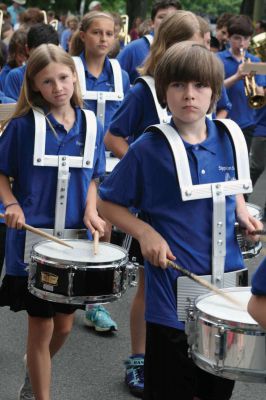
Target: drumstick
[203, 282]
[256, 232]
[42, 233]
[95, 242]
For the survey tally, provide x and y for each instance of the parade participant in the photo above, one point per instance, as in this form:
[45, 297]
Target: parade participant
[17, 55]
[15, 10]
[149, 183]
[50, 89]
[221, 30]
[240, 30]
[93, 42]
[38, 34]
[257, 302]
[134, 54]
[137, 111]
[91, 46]
[223, 104]
[72, 25]
[258, 150]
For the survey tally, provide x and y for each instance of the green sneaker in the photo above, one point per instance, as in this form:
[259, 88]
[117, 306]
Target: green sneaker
[99, 318]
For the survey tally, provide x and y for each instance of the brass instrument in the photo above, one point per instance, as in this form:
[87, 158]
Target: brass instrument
[44, 16]
[258, 46]
[255, 100]
[54, 23]
[123, 34]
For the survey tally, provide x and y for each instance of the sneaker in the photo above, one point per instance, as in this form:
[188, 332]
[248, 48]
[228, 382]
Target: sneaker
[99, 318]
[25, 392]
[134, 378]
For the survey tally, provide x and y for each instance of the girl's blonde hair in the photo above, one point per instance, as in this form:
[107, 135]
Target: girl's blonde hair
[40, 58]
[77, 45]
[176, 27]
[189, 62]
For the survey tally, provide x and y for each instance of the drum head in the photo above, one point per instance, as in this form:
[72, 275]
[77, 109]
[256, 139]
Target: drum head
[82, 252]
[220, 308]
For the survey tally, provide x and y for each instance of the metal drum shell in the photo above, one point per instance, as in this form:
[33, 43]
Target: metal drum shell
[226, 348]
[72, 282]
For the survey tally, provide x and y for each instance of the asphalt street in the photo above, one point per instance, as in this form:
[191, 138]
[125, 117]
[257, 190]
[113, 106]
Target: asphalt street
[90, 366]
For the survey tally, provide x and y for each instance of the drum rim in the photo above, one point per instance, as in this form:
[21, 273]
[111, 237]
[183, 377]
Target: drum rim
[226, 321]
[63, 262]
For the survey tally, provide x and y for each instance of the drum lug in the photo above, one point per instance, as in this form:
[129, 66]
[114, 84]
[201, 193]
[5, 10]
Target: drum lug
[190, 327]
[132, 269]
[219, 352]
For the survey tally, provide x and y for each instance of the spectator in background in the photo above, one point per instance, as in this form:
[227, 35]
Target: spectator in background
[15, 10]
[221, 29]
[145, 27]
[134, 33]
[31, 17]
[3, 7]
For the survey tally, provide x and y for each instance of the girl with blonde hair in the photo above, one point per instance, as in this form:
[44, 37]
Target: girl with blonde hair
[50, 98]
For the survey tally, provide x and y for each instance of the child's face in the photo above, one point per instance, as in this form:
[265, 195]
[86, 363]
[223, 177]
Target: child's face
[188, 102]
[237, 42]
[55, 82]
[99, 37]
[161, 13]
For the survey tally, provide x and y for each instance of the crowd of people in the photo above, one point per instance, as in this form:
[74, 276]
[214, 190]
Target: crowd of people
[174, 71]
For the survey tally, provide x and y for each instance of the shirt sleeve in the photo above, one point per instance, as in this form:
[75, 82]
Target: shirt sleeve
[123, 186]
[9, 150]
[13, 85]
[258, 283]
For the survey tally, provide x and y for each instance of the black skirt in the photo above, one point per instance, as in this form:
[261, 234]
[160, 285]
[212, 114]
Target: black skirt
[14, 293]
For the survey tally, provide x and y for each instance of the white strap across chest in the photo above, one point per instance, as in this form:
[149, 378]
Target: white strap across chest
[162, 113]
[43, 160]
[149, 38]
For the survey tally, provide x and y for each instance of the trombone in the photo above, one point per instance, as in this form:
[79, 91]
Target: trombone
[123, 34]
[255, 100]
[53, 22]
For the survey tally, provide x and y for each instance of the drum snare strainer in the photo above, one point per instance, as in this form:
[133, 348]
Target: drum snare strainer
[225, 340]
[77, 276]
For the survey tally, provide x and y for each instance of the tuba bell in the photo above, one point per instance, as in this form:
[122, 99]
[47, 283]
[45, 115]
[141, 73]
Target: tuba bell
[255, 100]
[258, 46]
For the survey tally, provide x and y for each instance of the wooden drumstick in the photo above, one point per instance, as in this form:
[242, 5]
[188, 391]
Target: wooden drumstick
[206, 284]
[95, 242]
[43, 234]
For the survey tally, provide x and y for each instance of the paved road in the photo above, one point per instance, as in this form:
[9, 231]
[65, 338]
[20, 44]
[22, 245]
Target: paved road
[90, 366]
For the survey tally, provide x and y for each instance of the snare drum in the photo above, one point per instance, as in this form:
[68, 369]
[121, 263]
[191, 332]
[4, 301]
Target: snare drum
[77, 276]
[224, 339]
[249, 249]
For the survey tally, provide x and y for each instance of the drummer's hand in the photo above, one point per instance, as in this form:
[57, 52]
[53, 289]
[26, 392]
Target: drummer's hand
[94, 223]
[154, 248]
[249, 224]
[14, 217]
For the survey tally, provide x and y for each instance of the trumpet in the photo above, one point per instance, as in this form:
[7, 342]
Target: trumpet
[255, 100]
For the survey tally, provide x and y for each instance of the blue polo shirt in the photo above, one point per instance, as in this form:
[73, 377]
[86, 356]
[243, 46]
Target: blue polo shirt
[133, 55]
[104, 83]
[4, 72]
[65, 39]
[146, 179]
[135, 114]
[258, 282]
[4, 99]
[241, 112]
[223, 103]
[35, 187]
[13, 82]
[260, 129]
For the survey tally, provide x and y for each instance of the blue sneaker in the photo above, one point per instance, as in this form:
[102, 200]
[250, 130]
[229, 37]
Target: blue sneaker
[134, 378]
[99, 318]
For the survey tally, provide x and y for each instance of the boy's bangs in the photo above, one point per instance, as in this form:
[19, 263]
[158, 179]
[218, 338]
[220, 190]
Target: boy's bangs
[188, 69]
